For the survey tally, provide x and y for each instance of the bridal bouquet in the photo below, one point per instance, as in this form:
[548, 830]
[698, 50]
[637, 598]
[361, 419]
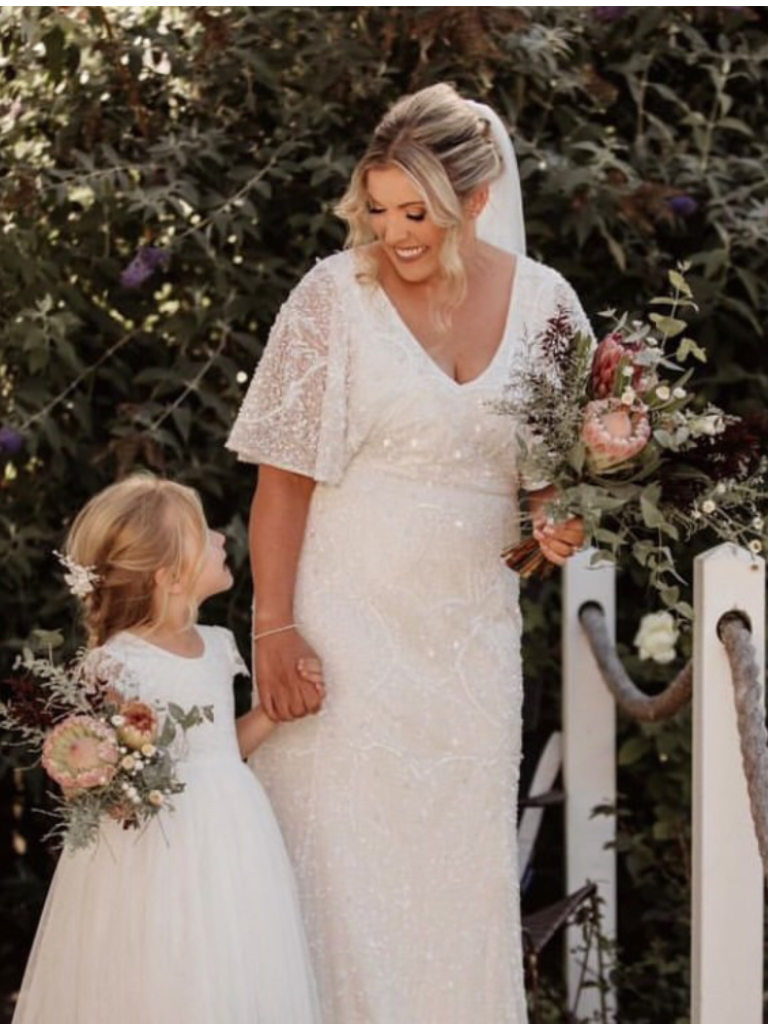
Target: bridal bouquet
[108, 754]
[621, 436]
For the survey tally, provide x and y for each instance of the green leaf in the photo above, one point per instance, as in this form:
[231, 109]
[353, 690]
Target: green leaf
[633, 749]
[689, 347]
[577, 456]
[678, 282]
[177, 713]
[649, 509]
[167, 733]
[669, 326]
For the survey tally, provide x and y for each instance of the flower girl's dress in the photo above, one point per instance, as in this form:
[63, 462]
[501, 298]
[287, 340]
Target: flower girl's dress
[194, 920]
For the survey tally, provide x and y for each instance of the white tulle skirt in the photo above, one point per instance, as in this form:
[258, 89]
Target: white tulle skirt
[195, 921]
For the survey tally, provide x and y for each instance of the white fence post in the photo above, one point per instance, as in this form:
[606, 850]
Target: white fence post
[727, 938]
[589, 761]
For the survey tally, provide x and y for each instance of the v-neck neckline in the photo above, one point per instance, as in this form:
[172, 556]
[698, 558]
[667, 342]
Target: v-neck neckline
[512, 307]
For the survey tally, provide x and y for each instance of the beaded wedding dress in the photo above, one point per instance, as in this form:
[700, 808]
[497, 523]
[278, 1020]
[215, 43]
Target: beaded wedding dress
[398, 801]
[194, 919]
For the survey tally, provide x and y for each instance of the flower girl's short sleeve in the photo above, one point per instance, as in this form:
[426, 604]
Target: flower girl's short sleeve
[294, 414]
[239, 668]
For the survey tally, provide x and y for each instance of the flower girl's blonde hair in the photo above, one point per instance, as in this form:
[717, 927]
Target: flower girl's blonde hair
[124, 535]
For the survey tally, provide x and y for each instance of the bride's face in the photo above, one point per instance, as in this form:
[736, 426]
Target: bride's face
[399, 218]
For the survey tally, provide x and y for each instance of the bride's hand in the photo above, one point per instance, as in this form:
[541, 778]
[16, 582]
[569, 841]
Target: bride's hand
[558, 541]
[289, 675]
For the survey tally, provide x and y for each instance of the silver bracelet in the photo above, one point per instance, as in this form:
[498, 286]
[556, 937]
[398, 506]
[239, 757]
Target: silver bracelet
[272, 632]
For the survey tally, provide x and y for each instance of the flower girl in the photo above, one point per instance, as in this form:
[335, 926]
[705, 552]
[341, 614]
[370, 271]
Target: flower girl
[192, 919]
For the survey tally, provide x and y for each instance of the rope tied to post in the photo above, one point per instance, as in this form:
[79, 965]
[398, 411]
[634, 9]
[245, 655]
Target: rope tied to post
[736, 636]
[630, 698]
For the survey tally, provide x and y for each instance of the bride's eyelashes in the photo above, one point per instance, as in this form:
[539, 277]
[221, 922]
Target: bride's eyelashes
[374, 211]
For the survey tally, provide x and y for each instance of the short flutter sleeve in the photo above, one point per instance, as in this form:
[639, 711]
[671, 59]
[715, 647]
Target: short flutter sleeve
[294, 415]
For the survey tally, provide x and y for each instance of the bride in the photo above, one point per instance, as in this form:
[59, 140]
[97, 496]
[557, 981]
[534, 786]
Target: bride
[387, 488]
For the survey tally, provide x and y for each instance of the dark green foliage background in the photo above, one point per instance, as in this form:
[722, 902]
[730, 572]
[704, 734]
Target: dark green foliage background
[225, 135]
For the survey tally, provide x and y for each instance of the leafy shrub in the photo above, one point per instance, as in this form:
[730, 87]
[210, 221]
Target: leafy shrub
[169, 173]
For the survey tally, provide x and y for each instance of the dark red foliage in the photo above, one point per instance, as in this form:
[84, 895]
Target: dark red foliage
[28, 703]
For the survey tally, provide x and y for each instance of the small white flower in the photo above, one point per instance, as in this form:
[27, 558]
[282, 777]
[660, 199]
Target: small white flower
[755, 547]
[156, 798]
[128, 763]
[708, 507]
[757, 522]
[117, 721]
[695, 514]
[656, 637]
[627, 371]
[679, 392]
[81, 579]
[721, 488]
[149, 750]
[663, 393]
[628, 396]
[709, 425]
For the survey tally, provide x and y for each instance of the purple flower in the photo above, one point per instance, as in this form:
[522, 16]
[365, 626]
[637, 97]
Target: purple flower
[683, 206]
[147, 260]
[609, 14]
[11, 441]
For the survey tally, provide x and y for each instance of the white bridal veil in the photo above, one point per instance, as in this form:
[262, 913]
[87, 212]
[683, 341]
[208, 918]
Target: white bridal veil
[501, 222]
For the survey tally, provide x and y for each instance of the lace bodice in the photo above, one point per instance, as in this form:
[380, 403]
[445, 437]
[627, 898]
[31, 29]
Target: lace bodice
[343, 380]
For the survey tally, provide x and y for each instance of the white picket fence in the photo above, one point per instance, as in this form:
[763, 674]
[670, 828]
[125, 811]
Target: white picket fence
[727, 910]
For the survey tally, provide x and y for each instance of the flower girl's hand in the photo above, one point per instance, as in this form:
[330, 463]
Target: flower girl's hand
[289, 676]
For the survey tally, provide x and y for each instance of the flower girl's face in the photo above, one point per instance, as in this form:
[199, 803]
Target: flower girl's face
[398, 215]
[214, 576]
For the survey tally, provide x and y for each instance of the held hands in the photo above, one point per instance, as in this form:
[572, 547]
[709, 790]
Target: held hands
[289, 676]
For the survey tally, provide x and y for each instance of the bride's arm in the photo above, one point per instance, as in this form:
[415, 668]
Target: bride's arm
[288, 672]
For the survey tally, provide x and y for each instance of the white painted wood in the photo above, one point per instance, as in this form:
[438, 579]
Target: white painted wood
[547, 770]
[727, 938]
[589, 760]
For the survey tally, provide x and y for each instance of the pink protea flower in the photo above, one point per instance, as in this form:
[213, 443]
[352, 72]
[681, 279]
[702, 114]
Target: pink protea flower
[80, 753]
[612, 352]
[613, 433]
[138, 726]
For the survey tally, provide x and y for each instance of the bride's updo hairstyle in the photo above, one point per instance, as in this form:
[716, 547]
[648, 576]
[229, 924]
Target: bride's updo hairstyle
[448, 151]
[124, 535]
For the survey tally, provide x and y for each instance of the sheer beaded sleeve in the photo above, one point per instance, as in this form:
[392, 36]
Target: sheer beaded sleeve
[294, 414]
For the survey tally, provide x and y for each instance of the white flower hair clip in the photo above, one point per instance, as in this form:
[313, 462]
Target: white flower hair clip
[81, 579]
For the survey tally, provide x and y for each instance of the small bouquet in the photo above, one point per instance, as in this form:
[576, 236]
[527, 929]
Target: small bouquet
[621, 437]
[110, 755]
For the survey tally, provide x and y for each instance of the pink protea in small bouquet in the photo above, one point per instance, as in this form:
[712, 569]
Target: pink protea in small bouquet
[625, 444]
[113, 758]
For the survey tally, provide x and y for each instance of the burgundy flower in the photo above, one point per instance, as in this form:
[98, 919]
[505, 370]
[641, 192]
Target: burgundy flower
[11, 441]
[147, 260]
[683, 206]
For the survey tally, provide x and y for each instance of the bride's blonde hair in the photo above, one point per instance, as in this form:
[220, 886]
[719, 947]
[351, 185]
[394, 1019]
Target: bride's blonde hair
[448, 151]
[125, 534]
